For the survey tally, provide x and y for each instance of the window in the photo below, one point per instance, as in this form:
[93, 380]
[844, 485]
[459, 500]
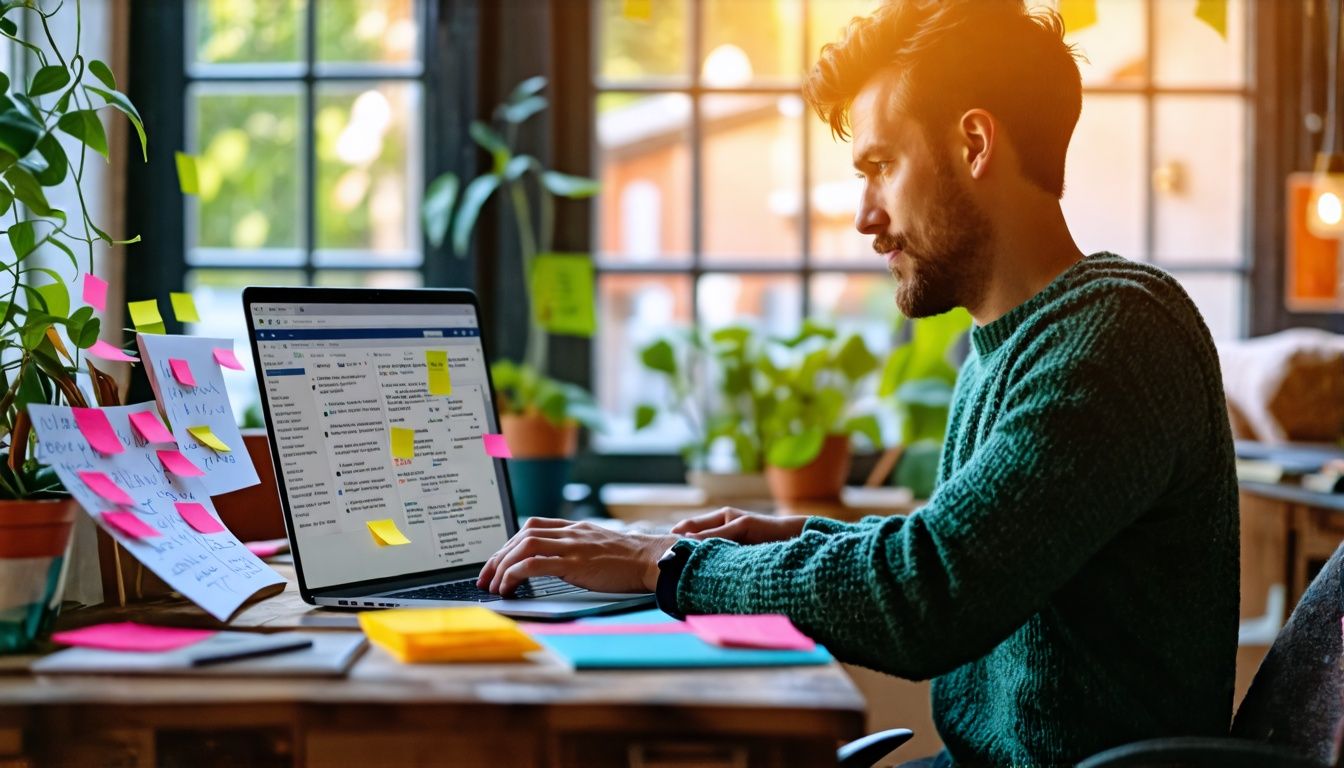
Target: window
[724, 200]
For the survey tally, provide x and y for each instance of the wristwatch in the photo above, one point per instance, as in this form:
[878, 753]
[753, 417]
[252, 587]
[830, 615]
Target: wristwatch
[670, 566]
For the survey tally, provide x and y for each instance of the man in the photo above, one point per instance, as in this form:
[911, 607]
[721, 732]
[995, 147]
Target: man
[1072, 583]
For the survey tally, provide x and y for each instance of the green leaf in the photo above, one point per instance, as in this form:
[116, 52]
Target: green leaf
[794, 451]
[828, 407]
[103, 73]
[519, 165]
[22, 238]
[18, 132]
[520, 112]
[659, 356]
[49, 79]
[119, 101]
[50, 150]
[473, 199]
[84, 125]
[31, 389]
[52, 239]
[491, 142]
[86, 334]
[748, 455]
[35, 330]
[854, 359]
[811, 330]
[868, 427]
[6, 199]
[644, 416]
[504, 374]
[57, 299]
[529, 87]
[437, 210]
[27, 190]
[923, 407]
[4, 82]
[8, 27]
[565, 185]
[733, 335]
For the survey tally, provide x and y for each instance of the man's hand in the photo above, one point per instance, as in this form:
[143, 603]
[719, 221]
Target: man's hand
[739, 526]
[583, 554]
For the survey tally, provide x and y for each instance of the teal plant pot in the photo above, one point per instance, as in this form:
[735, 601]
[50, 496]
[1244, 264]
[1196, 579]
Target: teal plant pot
[35, 539]
[539, 485]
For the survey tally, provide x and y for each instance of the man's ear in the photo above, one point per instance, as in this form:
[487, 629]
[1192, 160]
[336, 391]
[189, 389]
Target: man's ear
[978, 135]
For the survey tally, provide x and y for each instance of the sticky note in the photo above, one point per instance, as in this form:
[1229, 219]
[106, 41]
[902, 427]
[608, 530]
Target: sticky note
[386, 534]
[1077, 14]
[206, 437]
[129, 636]
[267, 548]
[198, 517]
[55, 339]
[187, 178]
[101, 349]
[104, 486]
[182, 372]
[129, 525]
[145, 316]
[496, 446]
[403, 443]
[440, 383]
[562, 294]
[95, 427]
[179, 465]
[226, 358]
[637, 10]
[95, 292]
[1213, 13]
[184, 308]
[763, 631]
[150, 428]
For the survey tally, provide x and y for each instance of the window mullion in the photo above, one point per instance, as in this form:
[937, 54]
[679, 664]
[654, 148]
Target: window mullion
[309, 196]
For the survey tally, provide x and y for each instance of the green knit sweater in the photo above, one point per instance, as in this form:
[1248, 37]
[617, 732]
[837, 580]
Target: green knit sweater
[1072, 583]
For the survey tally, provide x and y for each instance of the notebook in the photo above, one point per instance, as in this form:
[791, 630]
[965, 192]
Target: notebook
[331, 654]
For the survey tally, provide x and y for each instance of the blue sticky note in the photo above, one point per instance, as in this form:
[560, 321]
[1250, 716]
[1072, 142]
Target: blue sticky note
[669, 651]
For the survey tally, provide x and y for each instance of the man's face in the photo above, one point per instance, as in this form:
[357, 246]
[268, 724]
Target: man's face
[924, 222]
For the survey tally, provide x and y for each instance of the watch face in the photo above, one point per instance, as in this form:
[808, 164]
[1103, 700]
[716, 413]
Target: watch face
[668, 555]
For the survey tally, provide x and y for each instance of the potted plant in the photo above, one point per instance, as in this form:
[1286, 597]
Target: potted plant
[541, 416]
[41, 338]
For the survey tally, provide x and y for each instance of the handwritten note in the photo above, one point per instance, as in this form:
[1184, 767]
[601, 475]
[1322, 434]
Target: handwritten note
[403, 443]
[145, 316]
[762, 631]
[148, 425]
[496, 446]
[215, 571]
[129, 525]
[103, 486]
[129, 636]
[227, 468]
[182, 372]
[562, 294]
[184, 307]
[101, 349]
[179, 465]
[386, 533]
[440, 381]
[198, 517]
[97, 430]
[95, 292]
[225, 357]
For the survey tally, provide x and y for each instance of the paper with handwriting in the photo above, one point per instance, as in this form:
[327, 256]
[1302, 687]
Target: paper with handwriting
[204, 405]
[214, 570]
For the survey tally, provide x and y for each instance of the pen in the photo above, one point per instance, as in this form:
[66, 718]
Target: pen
[225, 654]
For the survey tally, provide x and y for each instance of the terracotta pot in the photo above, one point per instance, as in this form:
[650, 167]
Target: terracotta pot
[533, 436]
[35, 541]
[36, 528]
[820, 480]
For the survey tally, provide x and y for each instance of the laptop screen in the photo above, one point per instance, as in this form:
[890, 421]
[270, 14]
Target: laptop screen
[378, 412]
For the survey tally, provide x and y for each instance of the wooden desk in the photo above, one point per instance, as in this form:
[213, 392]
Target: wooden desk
[386, 713]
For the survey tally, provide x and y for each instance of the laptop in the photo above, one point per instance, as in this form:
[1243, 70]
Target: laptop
[389, 497]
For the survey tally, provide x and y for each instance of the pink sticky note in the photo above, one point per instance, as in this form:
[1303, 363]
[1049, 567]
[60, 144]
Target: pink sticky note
[129, 636]
[106, 351]
[578, 628]
[198, 517]
[95, 292]
[179, 465]
[764, 631]
[182, 372]
[226, 358]
[150, 428]
[95, 427]
[497, 446]
[267, 548]
[129, 524]
[103, 485]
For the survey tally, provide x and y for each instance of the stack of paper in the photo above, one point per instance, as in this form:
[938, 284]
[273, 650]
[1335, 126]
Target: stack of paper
[447, 634]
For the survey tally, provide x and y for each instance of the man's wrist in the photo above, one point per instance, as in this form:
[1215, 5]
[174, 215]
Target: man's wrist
[656, 553]
[670, 567]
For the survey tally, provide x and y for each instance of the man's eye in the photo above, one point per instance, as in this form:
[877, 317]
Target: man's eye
[881, 165]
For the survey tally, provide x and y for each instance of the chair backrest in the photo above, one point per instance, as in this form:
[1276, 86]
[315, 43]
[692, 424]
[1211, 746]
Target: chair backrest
[1296, 699]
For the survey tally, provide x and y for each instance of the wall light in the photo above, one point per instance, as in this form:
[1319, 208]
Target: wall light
[1325, 207]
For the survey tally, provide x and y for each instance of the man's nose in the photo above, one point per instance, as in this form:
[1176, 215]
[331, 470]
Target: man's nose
[871, 219]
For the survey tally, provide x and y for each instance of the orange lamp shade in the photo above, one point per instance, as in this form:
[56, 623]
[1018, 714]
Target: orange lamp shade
[1313, 279]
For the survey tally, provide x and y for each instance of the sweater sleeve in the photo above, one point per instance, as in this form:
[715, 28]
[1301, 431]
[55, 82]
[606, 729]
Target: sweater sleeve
[1084, 443]
[828, 525]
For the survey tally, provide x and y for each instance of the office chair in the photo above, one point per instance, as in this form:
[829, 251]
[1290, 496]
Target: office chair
[864, 752]
[1294, 710]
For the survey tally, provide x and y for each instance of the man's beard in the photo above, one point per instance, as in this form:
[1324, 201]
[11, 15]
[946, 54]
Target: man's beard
[945, 259]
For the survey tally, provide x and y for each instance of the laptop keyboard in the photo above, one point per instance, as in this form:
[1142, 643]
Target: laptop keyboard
[541, 586]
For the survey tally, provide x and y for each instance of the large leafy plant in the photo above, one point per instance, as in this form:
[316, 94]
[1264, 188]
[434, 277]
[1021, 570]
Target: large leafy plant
[528, 189]
[63, 96]
[918, 376]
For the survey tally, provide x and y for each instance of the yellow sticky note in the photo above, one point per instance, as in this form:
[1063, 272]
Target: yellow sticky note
[145, 316]
[440, 382]
[562, 294]
[403, 443]
[637, 10]
[387, 534]
[1077, 14]
[184, 308]
[205, 436]
[188, 180]
[1213, 13]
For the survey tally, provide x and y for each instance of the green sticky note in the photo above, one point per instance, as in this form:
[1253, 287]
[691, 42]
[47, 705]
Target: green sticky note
[440, 382]
[184, 308]
[403, 443]
[562, 294]
[1078, 14]
[1213, 13]
[145, 316]
[187, 178]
